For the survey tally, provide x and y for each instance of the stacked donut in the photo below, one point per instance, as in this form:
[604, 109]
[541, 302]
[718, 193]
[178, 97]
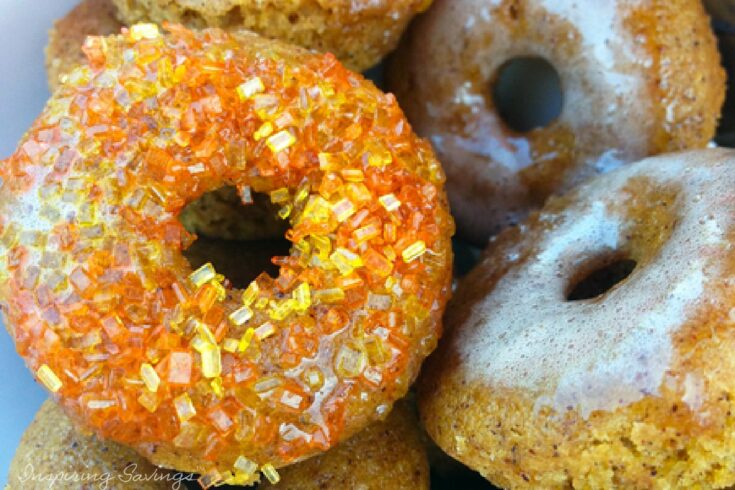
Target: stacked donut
[588, 348]
[173, 361]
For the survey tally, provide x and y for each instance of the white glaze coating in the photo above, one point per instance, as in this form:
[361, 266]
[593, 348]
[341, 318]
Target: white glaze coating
[605, 353]
[615, 74]
[605, 97]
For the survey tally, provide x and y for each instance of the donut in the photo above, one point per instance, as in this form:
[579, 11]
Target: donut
[592, 345]
[194, 374]
[637, 78]
[386, 455]
[52, 453]
[357, 32]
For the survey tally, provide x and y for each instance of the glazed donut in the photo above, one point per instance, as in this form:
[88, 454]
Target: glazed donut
[386, 455]
[195, 375]
[560, 371]
[359, 33]
[637, 78]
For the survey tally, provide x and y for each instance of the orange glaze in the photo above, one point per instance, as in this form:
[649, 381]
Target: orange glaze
[106, 310]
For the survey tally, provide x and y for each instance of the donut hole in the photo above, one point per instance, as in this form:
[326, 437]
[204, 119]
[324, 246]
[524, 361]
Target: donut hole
[239, 240]
[597, 278]
[527, 93]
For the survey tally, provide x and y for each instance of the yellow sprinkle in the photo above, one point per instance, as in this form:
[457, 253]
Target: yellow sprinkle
[303, 247]
[270, 473]
[205, 332]
[314, 377]
[211, 361]
[285, 211]
[380, 158]
[302, 296]
[265, 330]
[241, 315]
[414, 251]
[252, 87]
[345, 261]
[149, 401]
[245, 465]
[184, 407]
[302, 193]
[265, 130]
[144, 31]
[280, 141]
[250, 293]
[247, 337]
[366, 233]
[219, 288]
[349, 362]
[199, 344]
[241, 480]
[280, 195]
[328, 161]
[49, 379]
[150, 377]
[211, 478]
[353, 175]
[343, 209]
[389, 202]
[217, 388]
[282, 309]
[230, 345]
[323, 244]
[317, 209]
[331, 295]
[203, 275]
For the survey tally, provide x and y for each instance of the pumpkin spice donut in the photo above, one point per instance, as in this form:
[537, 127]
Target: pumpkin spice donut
[592, 346]
[638, 77]
[386, 455]
[196, 375]
[358, 32]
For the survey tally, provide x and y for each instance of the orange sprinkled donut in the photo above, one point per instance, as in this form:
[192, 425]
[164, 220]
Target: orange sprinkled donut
[191, 372]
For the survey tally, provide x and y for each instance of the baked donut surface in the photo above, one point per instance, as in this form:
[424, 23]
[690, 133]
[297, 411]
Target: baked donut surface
[540, 383]
[386, 455]
[193, 373]
[638, 77]
[53, 454]
[358, 32]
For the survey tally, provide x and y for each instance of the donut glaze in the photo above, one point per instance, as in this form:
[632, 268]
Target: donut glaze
[638, 77]
[191, 372]
[632, 388]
